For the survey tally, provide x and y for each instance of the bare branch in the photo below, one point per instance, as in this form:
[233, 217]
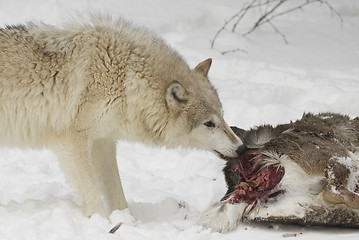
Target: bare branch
[268, 15]
[285, 12]
[292, 9]
[234, 50]
[333, 10]
[264, 16]
[244, 11]
[279, 32]
[115, 228]
[223, 27]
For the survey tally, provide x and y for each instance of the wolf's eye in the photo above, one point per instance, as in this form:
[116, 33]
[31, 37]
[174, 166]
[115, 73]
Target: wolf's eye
[209, 124]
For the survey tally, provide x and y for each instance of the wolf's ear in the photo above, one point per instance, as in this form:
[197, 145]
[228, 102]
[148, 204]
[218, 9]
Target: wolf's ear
[204, 67]
[176, 94]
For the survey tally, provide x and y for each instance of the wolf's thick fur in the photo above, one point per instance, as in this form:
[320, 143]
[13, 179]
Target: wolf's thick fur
[77, 89]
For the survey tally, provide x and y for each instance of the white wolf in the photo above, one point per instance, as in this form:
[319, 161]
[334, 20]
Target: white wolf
[77, 89]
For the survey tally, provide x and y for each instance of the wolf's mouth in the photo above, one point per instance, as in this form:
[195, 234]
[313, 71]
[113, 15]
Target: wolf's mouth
[221, 155]
[241, 149]
[256, 181]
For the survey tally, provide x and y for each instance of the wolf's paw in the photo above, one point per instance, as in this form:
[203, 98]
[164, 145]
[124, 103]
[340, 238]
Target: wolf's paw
[222, 217]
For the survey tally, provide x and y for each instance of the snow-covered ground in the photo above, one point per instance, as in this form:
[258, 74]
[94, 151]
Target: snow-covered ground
[266, 82]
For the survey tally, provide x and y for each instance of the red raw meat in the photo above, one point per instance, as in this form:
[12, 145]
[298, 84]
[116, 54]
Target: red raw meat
[256, 183]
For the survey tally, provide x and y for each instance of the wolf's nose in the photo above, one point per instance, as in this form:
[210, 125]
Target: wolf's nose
[241, 149]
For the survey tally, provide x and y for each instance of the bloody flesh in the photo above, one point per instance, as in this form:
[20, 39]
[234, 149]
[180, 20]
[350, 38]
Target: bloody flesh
[256, 182]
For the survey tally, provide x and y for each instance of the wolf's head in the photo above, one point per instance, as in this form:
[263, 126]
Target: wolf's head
[196, 114]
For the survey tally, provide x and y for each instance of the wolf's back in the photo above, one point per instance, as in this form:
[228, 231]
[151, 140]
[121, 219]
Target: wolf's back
[39, 93]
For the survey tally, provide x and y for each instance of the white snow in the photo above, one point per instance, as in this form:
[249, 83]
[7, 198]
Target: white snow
[266, 82]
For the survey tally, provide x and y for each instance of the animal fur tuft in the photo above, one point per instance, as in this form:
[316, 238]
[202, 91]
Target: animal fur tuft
[319, 154]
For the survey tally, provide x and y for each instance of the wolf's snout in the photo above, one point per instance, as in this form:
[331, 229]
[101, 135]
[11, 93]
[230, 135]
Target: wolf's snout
[241, 149]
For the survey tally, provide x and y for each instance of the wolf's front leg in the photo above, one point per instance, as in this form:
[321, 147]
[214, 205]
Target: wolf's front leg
[105, 170]
[73, 153]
